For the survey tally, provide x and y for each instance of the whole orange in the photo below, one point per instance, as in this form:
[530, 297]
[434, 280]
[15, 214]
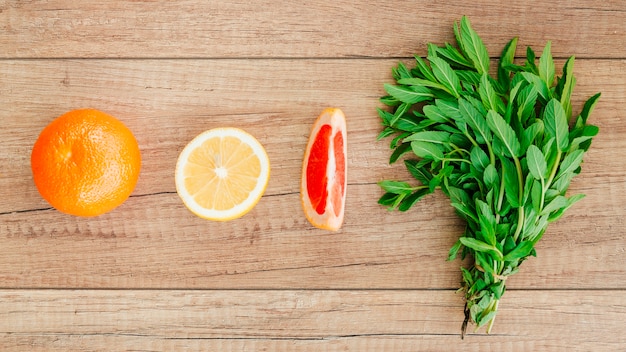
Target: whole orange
[85, 163]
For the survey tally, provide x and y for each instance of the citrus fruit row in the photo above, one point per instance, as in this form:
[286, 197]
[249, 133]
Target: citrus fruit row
[87, 163]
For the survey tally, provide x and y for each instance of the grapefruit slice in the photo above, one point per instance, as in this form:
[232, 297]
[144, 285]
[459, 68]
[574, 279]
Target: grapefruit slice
[324, 181]
[222, 174]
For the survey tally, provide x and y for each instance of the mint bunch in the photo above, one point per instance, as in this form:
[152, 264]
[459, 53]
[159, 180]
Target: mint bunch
[504, 149]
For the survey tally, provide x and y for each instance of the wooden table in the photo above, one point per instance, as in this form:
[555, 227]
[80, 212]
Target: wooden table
[152, 276]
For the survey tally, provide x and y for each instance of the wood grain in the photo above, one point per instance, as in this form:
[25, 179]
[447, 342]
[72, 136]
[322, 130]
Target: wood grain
[319, 28]
[150, 276]
[66, 320]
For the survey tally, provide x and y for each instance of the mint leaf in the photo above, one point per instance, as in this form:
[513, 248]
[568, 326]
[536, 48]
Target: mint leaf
[445, 75]
[437, 137]
[426, 150]
[555, 121]
[473, 47]
[481, 246]
[504, 132]
[546, 66]
[536, 162]
[410, 94]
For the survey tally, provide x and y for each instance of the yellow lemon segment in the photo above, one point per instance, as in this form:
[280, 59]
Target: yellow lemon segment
[222, 173]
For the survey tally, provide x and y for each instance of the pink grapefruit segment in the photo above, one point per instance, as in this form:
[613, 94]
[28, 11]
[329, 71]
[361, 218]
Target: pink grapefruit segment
[324, 181]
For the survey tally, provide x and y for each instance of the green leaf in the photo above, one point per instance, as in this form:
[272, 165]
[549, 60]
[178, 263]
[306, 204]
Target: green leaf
[460, 200]
[526, 100]
[426, 150]
[488, 95]
[568, 82]
[409, 94]
[538, 83]
[414, 81]
[464, 212]
[485, 261]
[399, 151]
[535, 236]
[550, 151]
[535, 195]
[546, 66]
[390, 200]
[385, 116]
[407, 123]
[583, 141]
[454, 250]
[571, 201]
[437, 137]
[476, 103]
[453, 56]
[557, 203]
[449, 108]
[587, 109]
[530, 220]
[408, 202]
[506, 58]
[490, 176]
[487, 221]
[424, 70]
[481, 246]
[445, 75]
[433, 113]
[522, 250]
[536, 162]
[530, 65]
[531, 133]
[584, 131]
[473, 47]
[555, 122]
[511, 182]
[400, 111]
[570, 163]
[389, 100]
[479, 285]
[432, 51]
[386, 132]
[467, 77]
[398, 140]
[528, 184]
[419, 172]
[560, 185]
[498, 289]
[479, 158]
[467, 276]
[401, 72]
[396, 187]
[475, 120]
[504, 132]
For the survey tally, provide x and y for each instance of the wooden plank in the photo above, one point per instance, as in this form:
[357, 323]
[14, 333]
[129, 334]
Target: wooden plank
[68, 320]
[152, 241]
[320, 28]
